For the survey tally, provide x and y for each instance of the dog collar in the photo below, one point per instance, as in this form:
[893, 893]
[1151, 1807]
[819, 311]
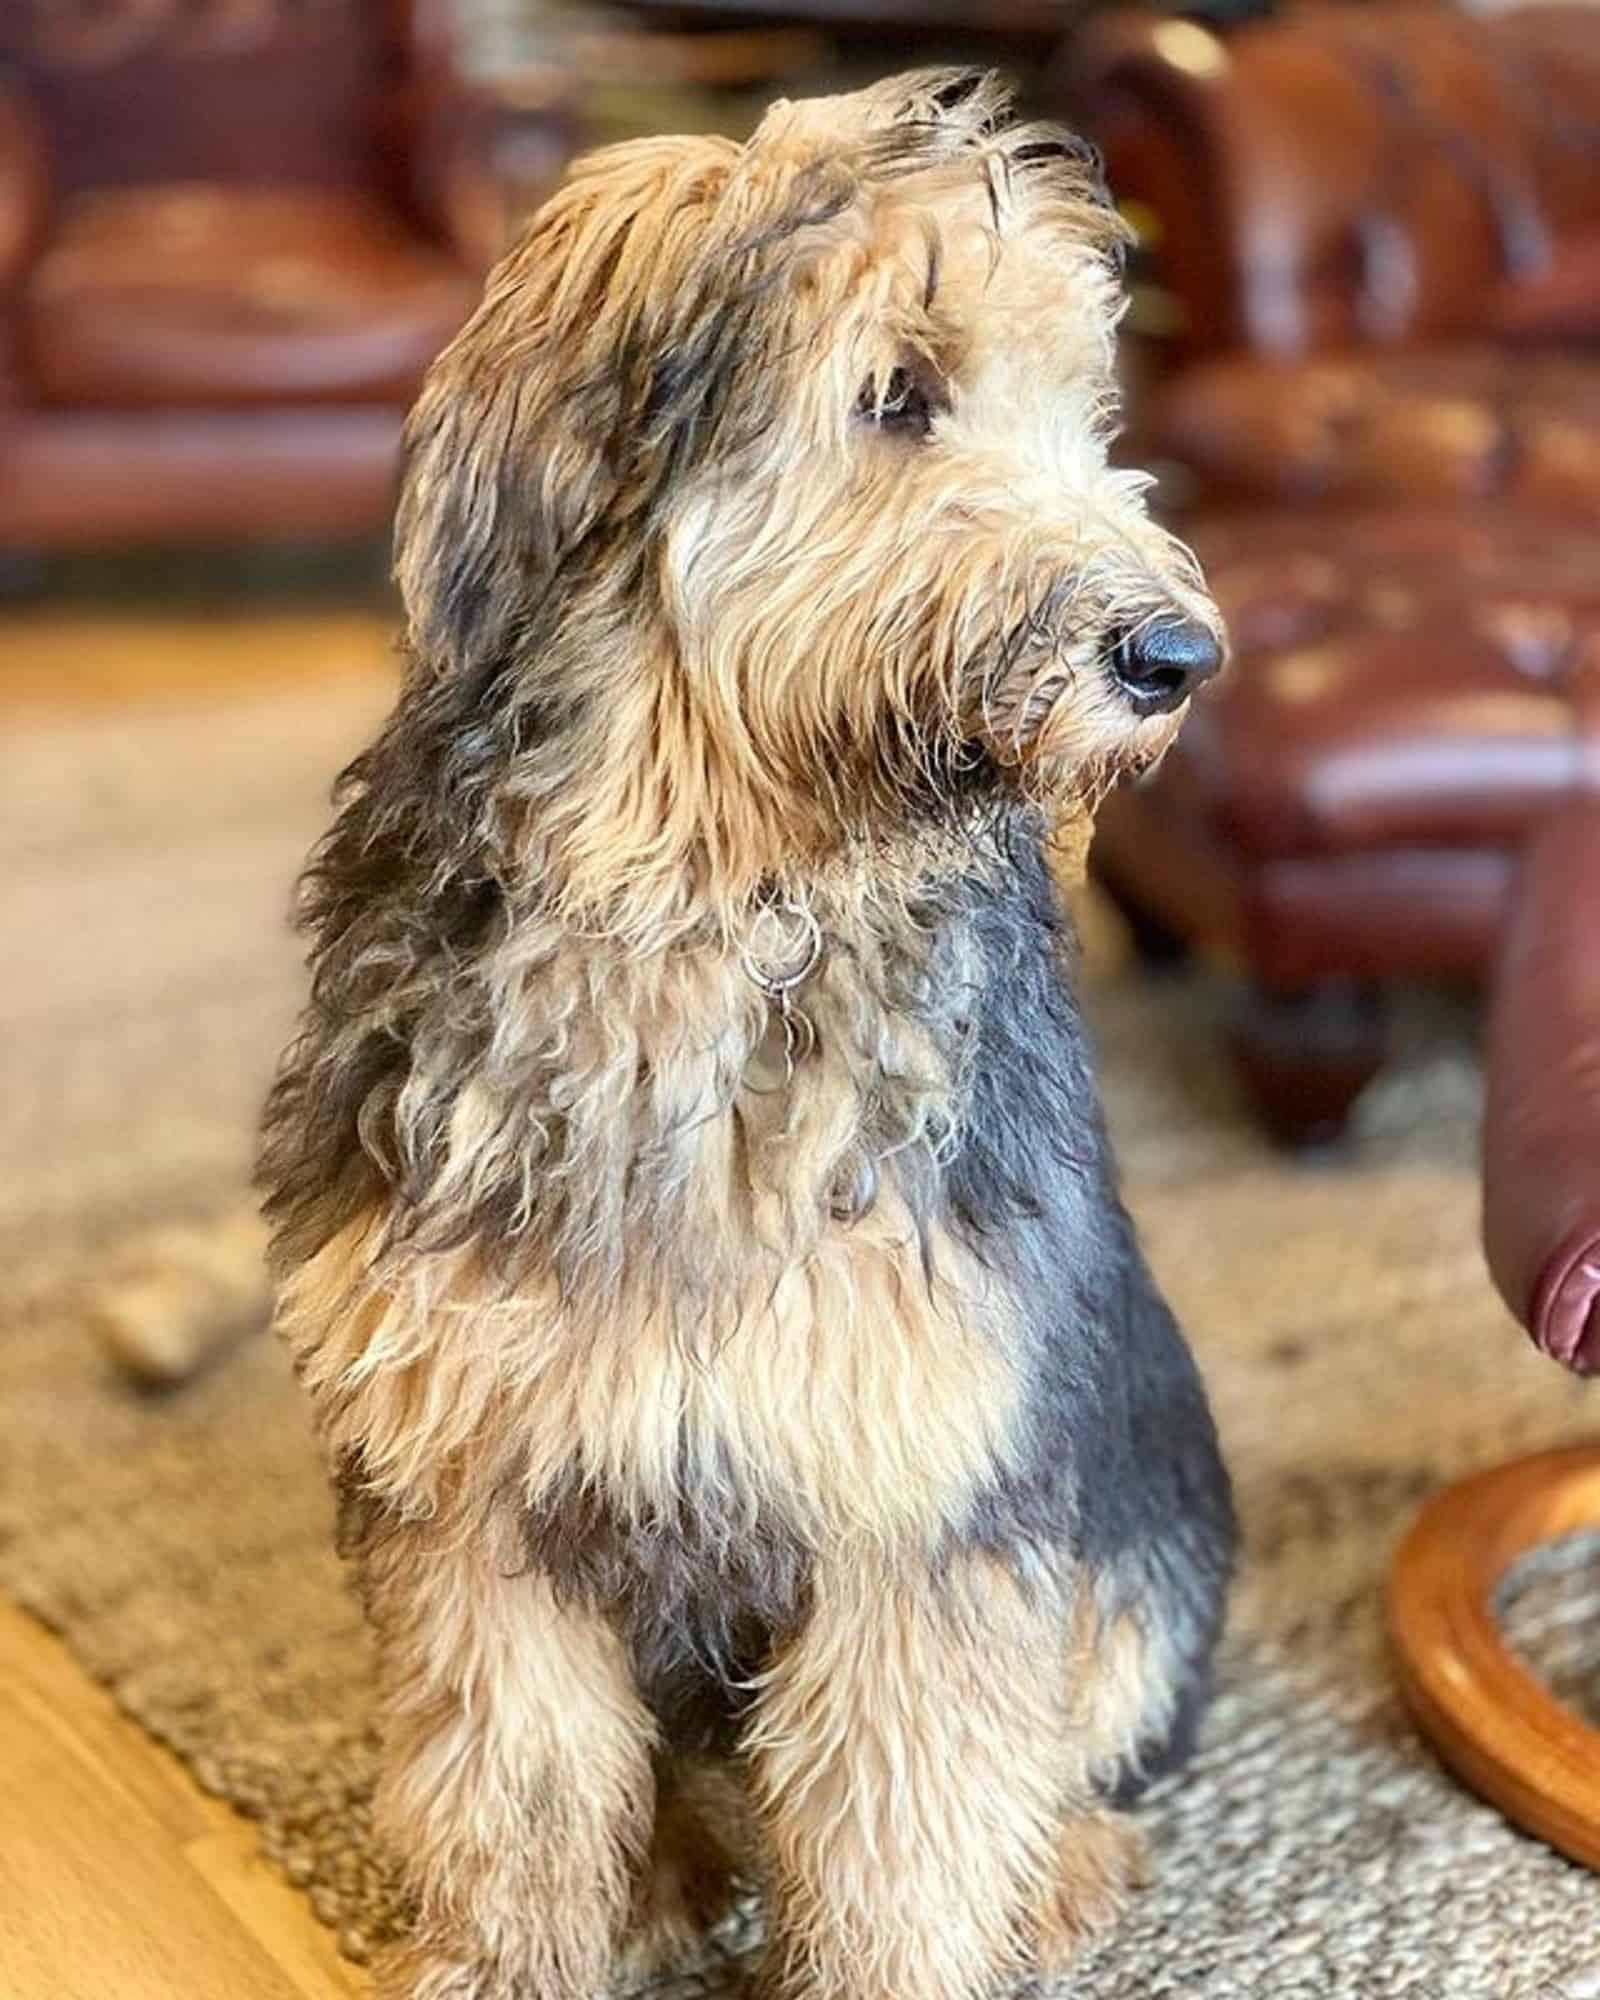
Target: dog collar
[779, 982]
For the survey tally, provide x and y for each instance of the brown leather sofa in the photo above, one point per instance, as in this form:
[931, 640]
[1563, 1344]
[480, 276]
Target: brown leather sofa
[1351, 176]
[1541, 1139]
[231, 238]
[1372, 239]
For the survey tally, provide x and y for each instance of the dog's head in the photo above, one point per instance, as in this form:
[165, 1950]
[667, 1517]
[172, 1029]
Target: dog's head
[766, 497]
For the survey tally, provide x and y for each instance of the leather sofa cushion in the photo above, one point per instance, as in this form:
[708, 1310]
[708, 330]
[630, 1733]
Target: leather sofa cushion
[188, 295]
[1470, 423]
[1400, 679]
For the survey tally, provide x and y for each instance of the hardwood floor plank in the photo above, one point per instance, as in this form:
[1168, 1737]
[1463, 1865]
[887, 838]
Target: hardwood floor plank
[118, 1876]
[274, 1913]
[35, 1664]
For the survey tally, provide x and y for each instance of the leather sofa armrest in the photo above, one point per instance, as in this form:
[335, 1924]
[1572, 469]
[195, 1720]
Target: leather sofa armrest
[1332, 177]
[482, 150]
[488, 155]
[24, 187]
[1541, 1133]
[1146, 91]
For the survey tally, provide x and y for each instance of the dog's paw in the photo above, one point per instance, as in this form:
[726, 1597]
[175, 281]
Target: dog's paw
[1100, 1862]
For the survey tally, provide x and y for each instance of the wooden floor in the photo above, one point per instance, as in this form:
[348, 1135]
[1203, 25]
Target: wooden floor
[119, 1878]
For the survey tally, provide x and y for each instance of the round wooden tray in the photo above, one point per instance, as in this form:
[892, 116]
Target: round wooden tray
[1492, 1722]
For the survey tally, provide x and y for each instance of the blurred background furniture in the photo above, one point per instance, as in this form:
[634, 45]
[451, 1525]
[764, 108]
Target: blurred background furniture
[1492, 1720]
[1368, 326]
[231, 238]
[1349, 176]
[876, 37]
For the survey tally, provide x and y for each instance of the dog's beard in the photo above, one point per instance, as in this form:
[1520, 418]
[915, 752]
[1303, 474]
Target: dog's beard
[1052, 722]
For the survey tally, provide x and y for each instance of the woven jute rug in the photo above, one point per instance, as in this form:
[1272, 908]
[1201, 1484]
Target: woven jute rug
[181, 1544]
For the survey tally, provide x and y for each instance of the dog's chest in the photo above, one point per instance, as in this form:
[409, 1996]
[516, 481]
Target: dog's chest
[689, 1493]
[861, 1395]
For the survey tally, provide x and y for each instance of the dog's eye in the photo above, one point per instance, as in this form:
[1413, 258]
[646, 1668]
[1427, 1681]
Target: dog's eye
[902, 403]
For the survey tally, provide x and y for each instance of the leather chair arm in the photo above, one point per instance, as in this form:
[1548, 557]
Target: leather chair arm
[24, 187]
[487, 156]
[1541, 1133]
[482, 150]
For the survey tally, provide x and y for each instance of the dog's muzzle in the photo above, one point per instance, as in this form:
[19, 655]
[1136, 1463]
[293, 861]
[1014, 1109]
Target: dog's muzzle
[1158, 666]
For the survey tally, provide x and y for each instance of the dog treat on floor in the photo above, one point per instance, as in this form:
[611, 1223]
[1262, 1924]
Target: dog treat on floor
[693, 1216]
[172, 1299]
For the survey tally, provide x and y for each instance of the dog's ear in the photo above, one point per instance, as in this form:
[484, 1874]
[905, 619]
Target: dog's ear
[524, 441]
[504, 460]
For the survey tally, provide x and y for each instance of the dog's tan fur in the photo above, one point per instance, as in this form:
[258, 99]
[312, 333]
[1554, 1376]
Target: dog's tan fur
[1000, 1850]
[492, 1705]
[454, 1402]
[929, 1699]
[760, 671]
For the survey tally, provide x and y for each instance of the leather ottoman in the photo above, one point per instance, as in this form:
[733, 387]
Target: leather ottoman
[1346, 809]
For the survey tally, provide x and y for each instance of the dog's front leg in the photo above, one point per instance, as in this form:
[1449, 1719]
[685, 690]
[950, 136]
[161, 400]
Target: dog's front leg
[911, 1751]
[516, 1792]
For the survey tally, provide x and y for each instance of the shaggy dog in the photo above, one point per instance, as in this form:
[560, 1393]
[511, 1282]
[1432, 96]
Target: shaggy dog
[694, 1220]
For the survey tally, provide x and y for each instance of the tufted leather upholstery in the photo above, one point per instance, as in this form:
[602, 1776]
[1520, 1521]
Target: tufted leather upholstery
[1369, 227]
[1405, 701]
[1473, 423]
[1378, 236]
[1346, 175]
[1401, 681]
[1541, 1136]
[134, 91]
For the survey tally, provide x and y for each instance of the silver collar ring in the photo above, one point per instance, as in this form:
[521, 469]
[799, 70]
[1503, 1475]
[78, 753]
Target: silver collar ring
[778, 986]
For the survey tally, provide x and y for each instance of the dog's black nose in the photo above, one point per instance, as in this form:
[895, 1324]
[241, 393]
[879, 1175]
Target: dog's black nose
[1158, 666]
